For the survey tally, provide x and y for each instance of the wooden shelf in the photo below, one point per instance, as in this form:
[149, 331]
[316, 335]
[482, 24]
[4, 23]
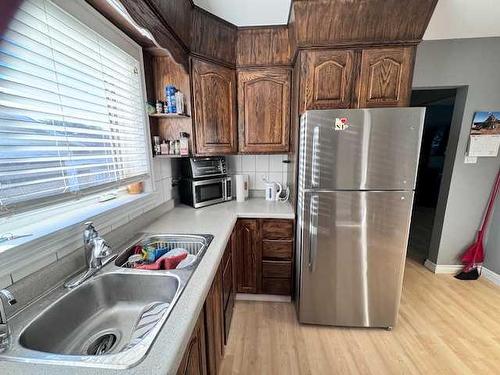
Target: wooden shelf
[171, 156]
[168, 115]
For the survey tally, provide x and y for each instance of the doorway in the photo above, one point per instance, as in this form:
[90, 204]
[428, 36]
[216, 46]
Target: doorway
[439, 106]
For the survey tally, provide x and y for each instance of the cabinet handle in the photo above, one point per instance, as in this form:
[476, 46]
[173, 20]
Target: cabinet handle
[313, 232]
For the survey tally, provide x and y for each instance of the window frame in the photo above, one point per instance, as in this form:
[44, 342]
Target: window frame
[91, 18]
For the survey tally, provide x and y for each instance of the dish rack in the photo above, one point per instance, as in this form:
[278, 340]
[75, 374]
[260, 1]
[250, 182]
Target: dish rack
[193, 244]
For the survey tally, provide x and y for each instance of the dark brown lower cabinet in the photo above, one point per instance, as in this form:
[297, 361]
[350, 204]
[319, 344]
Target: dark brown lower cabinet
[214, 323]
[247, 256]
[264, 256]
[194, 361]
[228, 285]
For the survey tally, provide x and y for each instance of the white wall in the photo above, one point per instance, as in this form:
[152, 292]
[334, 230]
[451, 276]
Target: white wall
[258, 167]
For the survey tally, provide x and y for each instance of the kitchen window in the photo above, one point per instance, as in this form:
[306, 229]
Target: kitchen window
[72, 119]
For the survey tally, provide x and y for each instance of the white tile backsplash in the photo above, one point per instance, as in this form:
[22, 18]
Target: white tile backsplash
[276, 177]
[248, 163]
[276, 163]
[166, 168]
[262, 163]
[258, 166]
[233, 163]
[259, 181]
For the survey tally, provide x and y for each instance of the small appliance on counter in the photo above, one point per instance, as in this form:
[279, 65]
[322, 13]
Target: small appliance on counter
[204, 181]
[273, 190]
[241, 187]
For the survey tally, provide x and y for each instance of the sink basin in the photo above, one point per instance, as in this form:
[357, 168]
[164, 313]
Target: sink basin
[101, 317]
[109, 321]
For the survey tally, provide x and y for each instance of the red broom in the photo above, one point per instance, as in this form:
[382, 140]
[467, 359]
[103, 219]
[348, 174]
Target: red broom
[474, 255]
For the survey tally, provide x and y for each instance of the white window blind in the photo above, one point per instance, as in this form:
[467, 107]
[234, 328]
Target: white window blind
[71, 109]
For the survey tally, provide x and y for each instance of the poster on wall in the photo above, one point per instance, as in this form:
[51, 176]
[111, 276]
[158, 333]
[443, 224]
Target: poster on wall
[485, 135]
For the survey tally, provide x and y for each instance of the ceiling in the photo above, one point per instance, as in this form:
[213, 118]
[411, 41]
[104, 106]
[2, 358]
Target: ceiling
[248, 12]
[452, 19]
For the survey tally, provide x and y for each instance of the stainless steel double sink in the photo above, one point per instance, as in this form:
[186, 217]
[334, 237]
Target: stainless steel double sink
[111, 320]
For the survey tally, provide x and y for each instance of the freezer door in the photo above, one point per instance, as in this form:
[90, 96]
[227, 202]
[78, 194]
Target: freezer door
[378, 149]
[353, 248]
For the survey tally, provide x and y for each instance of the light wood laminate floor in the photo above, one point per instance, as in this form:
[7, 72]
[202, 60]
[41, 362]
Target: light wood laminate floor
[445, 326]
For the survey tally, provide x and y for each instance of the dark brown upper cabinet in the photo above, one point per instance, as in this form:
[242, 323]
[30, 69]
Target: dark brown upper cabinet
[326, 79]
[214, 106]
[264, 110]
[386, 76]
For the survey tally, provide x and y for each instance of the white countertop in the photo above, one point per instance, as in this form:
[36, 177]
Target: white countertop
[167, 350]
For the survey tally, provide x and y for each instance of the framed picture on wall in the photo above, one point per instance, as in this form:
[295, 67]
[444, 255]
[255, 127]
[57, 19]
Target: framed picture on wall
[485, 134]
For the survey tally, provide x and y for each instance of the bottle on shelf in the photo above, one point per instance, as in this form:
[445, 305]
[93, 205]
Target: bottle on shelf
[179, 101]
[164, 148]
[184, 144]
[156, 145]
[159, 107]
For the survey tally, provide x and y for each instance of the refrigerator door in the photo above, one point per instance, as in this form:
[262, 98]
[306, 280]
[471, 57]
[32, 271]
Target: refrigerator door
[352, 260]
[378, 149]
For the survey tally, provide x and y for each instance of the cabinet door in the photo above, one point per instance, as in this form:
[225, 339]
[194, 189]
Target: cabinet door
[264, 110]
[214, 325]
[327, 78]
[228, 289]
[385, 78]
[214, 104]
[194, 359]
[248, 256]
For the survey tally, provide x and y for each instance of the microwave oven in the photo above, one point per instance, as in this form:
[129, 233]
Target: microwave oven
[201, 193]
[204, 181]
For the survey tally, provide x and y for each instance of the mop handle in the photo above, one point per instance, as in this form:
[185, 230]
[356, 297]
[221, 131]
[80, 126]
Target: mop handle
[491, 203]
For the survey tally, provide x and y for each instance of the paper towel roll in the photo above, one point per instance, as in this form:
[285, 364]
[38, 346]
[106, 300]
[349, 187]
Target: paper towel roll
[241, 187]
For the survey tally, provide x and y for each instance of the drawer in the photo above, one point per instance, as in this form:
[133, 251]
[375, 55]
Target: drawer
[277, 286]
[277, 229]
[276, 249]
[277, 269]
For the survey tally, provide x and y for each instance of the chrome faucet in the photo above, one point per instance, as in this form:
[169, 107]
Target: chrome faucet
[5, 296]
[89, 234]
[97, 254]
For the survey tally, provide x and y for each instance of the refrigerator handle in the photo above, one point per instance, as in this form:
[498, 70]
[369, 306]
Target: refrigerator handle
[313, 232]
[315, 170]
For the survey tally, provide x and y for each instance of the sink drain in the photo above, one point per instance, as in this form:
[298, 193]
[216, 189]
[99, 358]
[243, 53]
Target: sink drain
[102, 345]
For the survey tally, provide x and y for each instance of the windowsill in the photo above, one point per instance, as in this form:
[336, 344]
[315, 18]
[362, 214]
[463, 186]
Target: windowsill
[61, 218]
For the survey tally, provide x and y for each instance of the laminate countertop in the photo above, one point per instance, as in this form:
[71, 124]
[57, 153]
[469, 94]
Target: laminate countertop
[166, 352]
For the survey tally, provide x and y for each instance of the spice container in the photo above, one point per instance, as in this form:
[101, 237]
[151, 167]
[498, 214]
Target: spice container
[164, 148]
[184, 144]
[159, 107]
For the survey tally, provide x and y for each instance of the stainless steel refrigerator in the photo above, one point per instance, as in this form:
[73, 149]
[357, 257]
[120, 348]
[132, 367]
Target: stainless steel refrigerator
[356, 181]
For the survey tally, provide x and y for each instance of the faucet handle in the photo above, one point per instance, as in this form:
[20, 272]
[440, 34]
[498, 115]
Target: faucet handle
[11, 300]
[102, 248]
[89, 225]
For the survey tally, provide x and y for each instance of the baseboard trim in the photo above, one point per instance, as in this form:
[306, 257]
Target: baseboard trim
[262, 297]
[455, 268]
[491, 276]
[442, 268]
